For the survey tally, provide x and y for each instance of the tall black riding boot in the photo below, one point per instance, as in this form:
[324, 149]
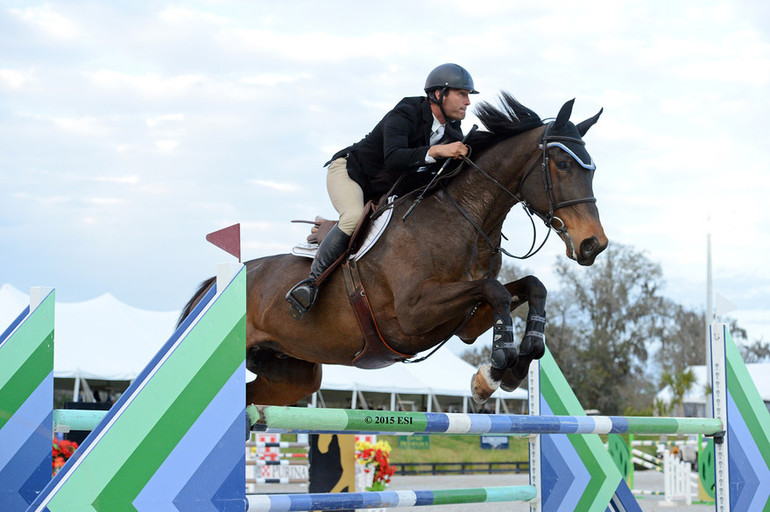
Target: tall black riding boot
[303, 295]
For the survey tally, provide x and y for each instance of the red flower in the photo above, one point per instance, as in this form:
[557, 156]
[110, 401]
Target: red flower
[62, 451]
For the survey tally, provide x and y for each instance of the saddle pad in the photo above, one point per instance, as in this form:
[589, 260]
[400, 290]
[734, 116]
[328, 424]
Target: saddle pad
[375, 231]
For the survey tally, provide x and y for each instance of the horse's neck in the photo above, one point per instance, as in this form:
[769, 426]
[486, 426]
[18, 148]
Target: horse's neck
[485, 201]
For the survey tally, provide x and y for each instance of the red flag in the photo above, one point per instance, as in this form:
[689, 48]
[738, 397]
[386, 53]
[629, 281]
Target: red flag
[228, 239]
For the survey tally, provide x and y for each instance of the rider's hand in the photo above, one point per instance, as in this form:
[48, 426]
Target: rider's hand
[451, 150]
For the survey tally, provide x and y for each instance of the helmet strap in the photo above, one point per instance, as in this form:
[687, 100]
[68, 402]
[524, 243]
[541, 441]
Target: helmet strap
[440, 102]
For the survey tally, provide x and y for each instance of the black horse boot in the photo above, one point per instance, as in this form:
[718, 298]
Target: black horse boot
[303, 295]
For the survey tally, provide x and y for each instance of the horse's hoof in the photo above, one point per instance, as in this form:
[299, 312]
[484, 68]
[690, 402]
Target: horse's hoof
[483, 385]
[510, 382]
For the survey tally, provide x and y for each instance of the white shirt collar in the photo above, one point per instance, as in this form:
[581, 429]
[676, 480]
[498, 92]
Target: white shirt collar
[436, 125]
[436, 131]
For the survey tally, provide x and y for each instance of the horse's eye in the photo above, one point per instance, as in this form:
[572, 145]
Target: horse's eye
[563, 165]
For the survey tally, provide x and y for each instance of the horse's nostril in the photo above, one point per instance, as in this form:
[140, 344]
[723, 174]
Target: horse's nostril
[589, 245]
[589, 248]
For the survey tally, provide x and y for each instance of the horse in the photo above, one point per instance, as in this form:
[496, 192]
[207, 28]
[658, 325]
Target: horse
[433, 276]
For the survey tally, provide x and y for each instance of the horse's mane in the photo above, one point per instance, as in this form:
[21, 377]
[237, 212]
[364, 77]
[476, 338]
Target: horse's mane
[511, 118]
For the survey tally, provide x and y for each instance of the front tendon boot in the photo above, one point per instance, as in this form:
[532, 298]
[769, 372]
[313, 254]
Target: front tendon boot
[532, 346]
[503, 346]
[533, 343]
[303, 295]
[489, 376]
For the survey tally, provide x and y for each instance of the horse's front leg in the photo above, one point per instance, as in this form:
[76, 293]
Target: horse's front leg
[510, 362]
[419, 310]
[504, 354]
[532, 344]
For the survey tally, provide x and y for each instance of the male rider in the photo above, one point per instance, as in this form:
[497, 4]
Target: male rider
[408, 144]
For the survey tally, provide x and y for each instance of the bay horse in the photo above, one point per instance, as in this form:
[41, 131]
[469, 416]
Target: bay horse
[434, 275]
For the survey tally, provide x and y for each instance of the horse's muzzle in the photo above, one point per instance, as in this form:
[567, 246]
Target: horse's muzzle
[589, 249]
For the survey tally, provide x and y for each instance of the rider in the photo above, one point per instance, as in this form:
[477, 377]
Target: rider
[408, 141]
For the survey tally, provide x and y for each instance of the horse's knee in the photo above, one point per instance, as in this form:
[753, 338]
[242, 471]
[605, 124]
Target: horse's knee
[537, 291]
[495, 291]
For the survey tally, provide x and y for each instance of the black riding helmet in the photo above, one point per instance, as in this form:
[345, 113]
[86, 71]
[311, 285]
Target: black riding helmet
[448, 76]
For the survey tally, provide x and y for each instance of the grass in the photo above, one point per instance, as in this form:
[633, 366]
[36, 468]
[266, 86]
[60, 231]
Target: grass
[458, 449]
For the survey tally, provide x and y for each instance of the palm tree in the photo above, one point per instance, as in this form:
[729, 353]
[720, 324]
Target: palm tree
[680, 383]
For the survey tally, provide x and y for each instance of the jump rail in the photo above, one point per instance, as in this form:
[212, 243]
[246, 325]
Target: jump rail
[273, 419]
[390, 499]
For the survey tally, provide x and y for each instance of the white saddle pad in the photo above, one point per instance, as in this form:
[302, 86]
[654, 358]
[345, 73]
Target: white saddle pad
[376, 229]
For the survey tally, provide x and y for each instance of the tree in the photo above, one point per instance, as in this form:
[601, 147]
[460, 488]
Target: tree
[680, 383]
[612, 311]
[683, 343]
[757, 352]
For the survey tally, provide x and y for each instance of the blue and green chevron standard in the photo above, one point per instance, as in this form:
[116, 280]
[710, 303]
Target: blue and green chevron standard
[577, 472]
[174, 440]
[26, 397]
[389, 499]
[748, 436]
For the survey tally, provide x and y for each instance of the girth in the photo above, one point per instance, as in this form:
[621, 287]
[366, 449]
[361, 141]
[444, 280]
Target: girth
[376, 352]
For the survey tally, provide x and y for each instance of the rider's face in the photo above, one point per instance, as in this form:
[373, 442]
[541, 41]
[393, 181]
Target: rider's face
[455, 103]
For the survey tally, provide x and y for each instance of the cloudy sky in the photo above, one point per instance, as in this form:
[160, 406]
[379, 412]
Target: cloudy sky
[129, 130]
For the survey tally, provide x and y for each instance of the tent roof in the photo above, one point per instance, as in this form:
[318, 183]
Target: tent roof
[106, 339]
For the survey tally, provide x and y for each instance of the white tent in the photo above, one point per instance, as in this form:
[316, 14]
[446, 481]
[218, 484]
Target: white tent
[101, 338]
[106, 339]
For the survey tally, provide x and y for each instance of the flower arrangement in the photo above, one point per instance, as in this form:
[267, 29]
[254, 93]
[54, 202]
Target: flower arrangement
[375, 458]
[62, 451]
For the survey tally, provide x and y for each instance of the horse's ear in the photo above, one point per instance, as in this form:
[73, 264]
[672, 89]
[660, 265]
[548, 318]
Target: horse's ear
[583, 126]
[564, 113]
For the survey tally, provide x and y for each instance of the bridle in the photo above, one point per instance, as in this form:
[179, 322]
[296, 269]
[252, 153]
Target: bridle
[549, 218]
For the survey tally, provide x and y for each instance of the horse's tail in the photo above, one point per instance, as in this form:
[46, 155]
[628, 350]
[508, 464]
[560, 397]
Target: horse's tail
[194, 300]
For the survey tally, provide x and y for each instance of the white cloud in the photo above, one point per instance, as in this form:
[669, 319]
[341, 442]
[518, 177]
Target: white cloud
[51, 22]
[149, 84]
[155, 121]
[276, 185]
[121, 180]
[105, 201]
[16, 79]
[183, 16]
[89, 126]
[318, 46]
[166, 145]
[273, 79]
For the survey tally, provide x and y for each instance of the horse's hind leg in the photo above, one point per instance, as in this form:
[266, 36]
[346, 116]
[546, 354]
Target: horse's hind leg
[281, 380]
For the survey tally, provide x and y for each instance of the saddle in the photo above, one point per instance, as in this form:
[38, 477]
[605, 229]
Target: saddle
[321, 228]
[376, 352]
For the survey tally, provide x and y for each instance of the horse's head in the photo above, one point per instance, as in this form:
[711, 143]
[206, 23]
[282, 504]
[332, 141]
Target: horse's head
[568, 204]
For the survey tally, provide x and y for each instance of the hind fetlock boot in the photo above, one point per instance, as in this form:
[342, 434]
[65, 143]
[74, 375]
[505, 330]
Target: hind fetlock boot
[303, 295]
